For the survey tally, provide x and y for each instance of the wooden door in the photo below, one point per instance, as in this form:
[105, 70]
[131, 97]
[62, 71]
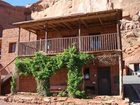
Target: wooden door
[104, 81]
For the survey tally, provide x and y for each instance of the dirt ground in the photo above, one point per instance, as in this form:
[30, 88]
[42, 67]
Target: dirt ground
[6, 103]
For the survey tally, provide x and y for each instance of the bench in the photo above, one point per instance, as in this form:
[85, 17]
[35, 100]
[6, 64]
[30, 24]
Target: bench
[57, 88]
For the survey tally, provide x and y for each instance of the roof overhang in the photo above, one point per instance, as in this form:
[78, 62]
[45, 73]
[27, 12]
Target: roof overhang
[71, 21]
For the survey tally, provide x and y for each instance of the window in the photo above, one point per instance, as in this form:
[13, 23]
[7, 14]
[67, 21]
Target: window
[95, 41]
[12, 47]
[136, 67]
[86, 74]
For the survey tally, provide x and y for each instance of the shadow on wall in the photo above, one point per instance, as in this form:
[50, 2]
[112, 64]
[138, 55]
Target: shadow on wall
[5, 81]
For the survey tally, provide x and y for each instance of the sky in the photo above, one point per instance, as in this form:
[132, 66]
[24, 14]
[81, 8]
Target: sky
[20, 2]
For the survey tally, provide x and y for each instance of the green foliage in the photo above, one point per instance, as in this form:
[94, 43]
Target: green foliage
[74, 62]
[13, 84]
[63, 94]
[80, 94]
[24, 66]
[42, 67]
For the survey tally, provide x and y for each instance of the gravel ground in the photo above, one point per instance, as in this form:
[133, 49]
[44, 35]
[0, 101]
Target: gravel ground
[7, 103]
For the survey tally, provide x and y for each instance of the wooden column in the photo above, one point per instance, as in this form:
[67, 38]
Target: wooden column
[40, 43]
[18, 40]
[119, 36]
[79, 34]
[119, 41]
[46, 38]
[29, 36]
[120, 75]
[17, 79]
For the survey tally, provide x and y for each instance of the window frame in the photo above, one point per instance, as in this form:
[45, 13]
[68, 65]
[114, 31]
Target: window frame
[12, 47]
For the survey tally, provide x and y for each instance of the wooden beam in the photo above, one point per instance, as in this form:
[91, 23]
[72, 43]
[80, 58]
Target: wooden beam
[100, 20]
[83, 22]
[52, 26]
[67, 25]
[31, 31]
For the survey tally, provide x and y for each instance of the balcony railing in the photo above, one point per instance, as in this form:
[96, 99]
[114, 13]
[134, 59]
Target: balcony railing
[102, 42]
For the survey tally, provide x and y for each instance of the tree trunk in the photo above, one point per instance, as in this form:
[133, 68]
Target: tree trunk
[43, 87]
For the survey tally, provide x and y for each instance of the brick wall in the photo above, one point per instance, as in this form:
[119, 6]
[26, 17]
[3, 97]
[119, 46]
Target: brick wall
[28, 84]
[9, 36]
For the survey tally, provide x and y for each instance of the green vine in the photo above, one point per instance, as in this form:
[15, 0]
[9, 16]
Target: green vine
[13, 84]
[42, 67]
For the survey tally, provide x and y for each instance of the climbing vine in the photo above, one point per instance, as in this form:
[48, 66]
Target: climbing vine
[13, 84]
[42, 67]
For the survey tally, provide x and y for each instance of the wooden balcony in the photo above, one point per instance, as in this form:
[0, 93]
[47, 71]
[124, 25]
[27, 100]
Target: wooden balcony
[87, 44]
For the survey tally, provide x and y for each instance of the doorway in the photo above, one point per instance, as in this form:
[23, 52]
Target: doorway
[104, 81]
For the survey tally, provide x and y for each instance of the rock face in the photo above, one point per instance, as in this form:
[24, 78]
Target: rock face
[47, 8]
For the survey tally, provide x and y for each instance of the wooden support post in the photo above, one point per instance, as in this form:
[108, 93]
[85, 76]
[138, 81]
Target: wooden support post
[29, 36]
[18, 40]
[119, 37]
[40, 42]
[17, 79]
[119, 41]
[46, 39]
[79, 33]
[120, 76]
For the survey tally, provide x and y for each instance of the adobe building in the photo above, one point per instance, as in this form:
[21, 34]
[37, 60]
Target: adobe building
[8, 38]
[96, 33]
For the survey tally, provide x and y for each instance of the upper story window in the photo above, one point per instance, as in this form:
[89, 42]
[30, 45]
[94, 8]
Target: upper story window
[12, 47]
[95, 41]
